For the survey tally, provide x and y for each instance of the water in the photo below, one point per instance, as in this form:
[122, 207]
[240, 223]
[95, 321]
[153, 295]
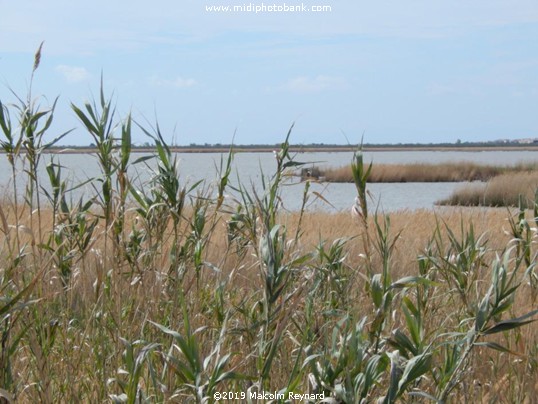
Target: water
[249, 168]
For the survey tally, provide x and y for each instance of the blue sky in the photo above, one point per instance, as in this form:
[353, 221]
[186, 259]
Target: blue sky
[413, 71]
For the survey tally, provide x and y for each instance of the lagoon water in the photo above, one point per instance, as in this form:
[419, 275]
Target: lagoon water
[251, 167]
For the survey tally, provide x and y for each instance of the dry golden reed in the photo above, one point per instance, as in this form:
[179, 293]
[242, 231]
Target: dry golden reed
[423, 172]
[503, 190]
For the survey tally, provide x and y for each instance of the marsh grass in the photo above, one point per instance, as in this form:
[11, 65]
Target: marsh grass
[182, 291]
[426, 172]
[504, 190]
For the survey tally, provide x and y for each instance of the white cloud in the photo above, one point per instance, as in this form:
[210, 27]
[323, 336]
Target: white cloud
[316, 84]
[73, 74]
[178, 82]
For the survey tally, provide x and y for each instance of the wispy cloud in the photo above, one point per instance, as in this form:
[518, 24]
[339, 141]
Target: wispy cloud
[69, 26]
[73, 74]
[178, 82]
[316, 84]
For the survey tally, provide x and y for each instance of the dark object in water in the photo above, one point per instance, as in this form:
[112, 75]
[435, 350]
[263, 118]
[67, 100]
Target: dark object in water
[312, 172]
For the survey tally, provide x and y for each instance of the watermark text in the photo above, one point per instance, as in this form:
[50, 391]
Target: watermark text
[265, 395]
[268, 8]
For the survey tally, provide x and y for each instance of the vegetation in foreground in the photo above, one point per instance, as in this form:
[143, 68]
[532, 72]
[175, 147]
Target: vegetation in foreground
[426, 172]
[160, 292]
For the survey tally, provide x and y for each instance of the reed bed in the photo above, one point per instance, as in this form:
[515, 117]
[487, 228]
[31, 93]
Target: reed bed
[165, 292]
[425, 172]
[504, 190]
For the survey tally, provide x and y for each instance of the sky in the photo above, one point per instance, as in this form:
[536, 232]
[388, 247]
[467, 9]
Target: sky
[412, 71]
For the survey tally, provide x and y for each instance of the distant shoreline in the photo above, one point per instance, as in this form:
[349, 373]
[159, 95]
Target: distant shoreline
[307, 149]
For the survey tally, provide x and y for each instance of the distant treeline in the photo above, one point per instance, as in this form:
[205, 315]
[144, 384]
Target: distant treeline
[219, 147]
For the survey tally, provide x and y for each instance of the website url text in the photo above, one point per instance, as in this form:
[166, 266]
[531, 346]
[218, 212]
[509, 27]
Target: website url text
[269, 8]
